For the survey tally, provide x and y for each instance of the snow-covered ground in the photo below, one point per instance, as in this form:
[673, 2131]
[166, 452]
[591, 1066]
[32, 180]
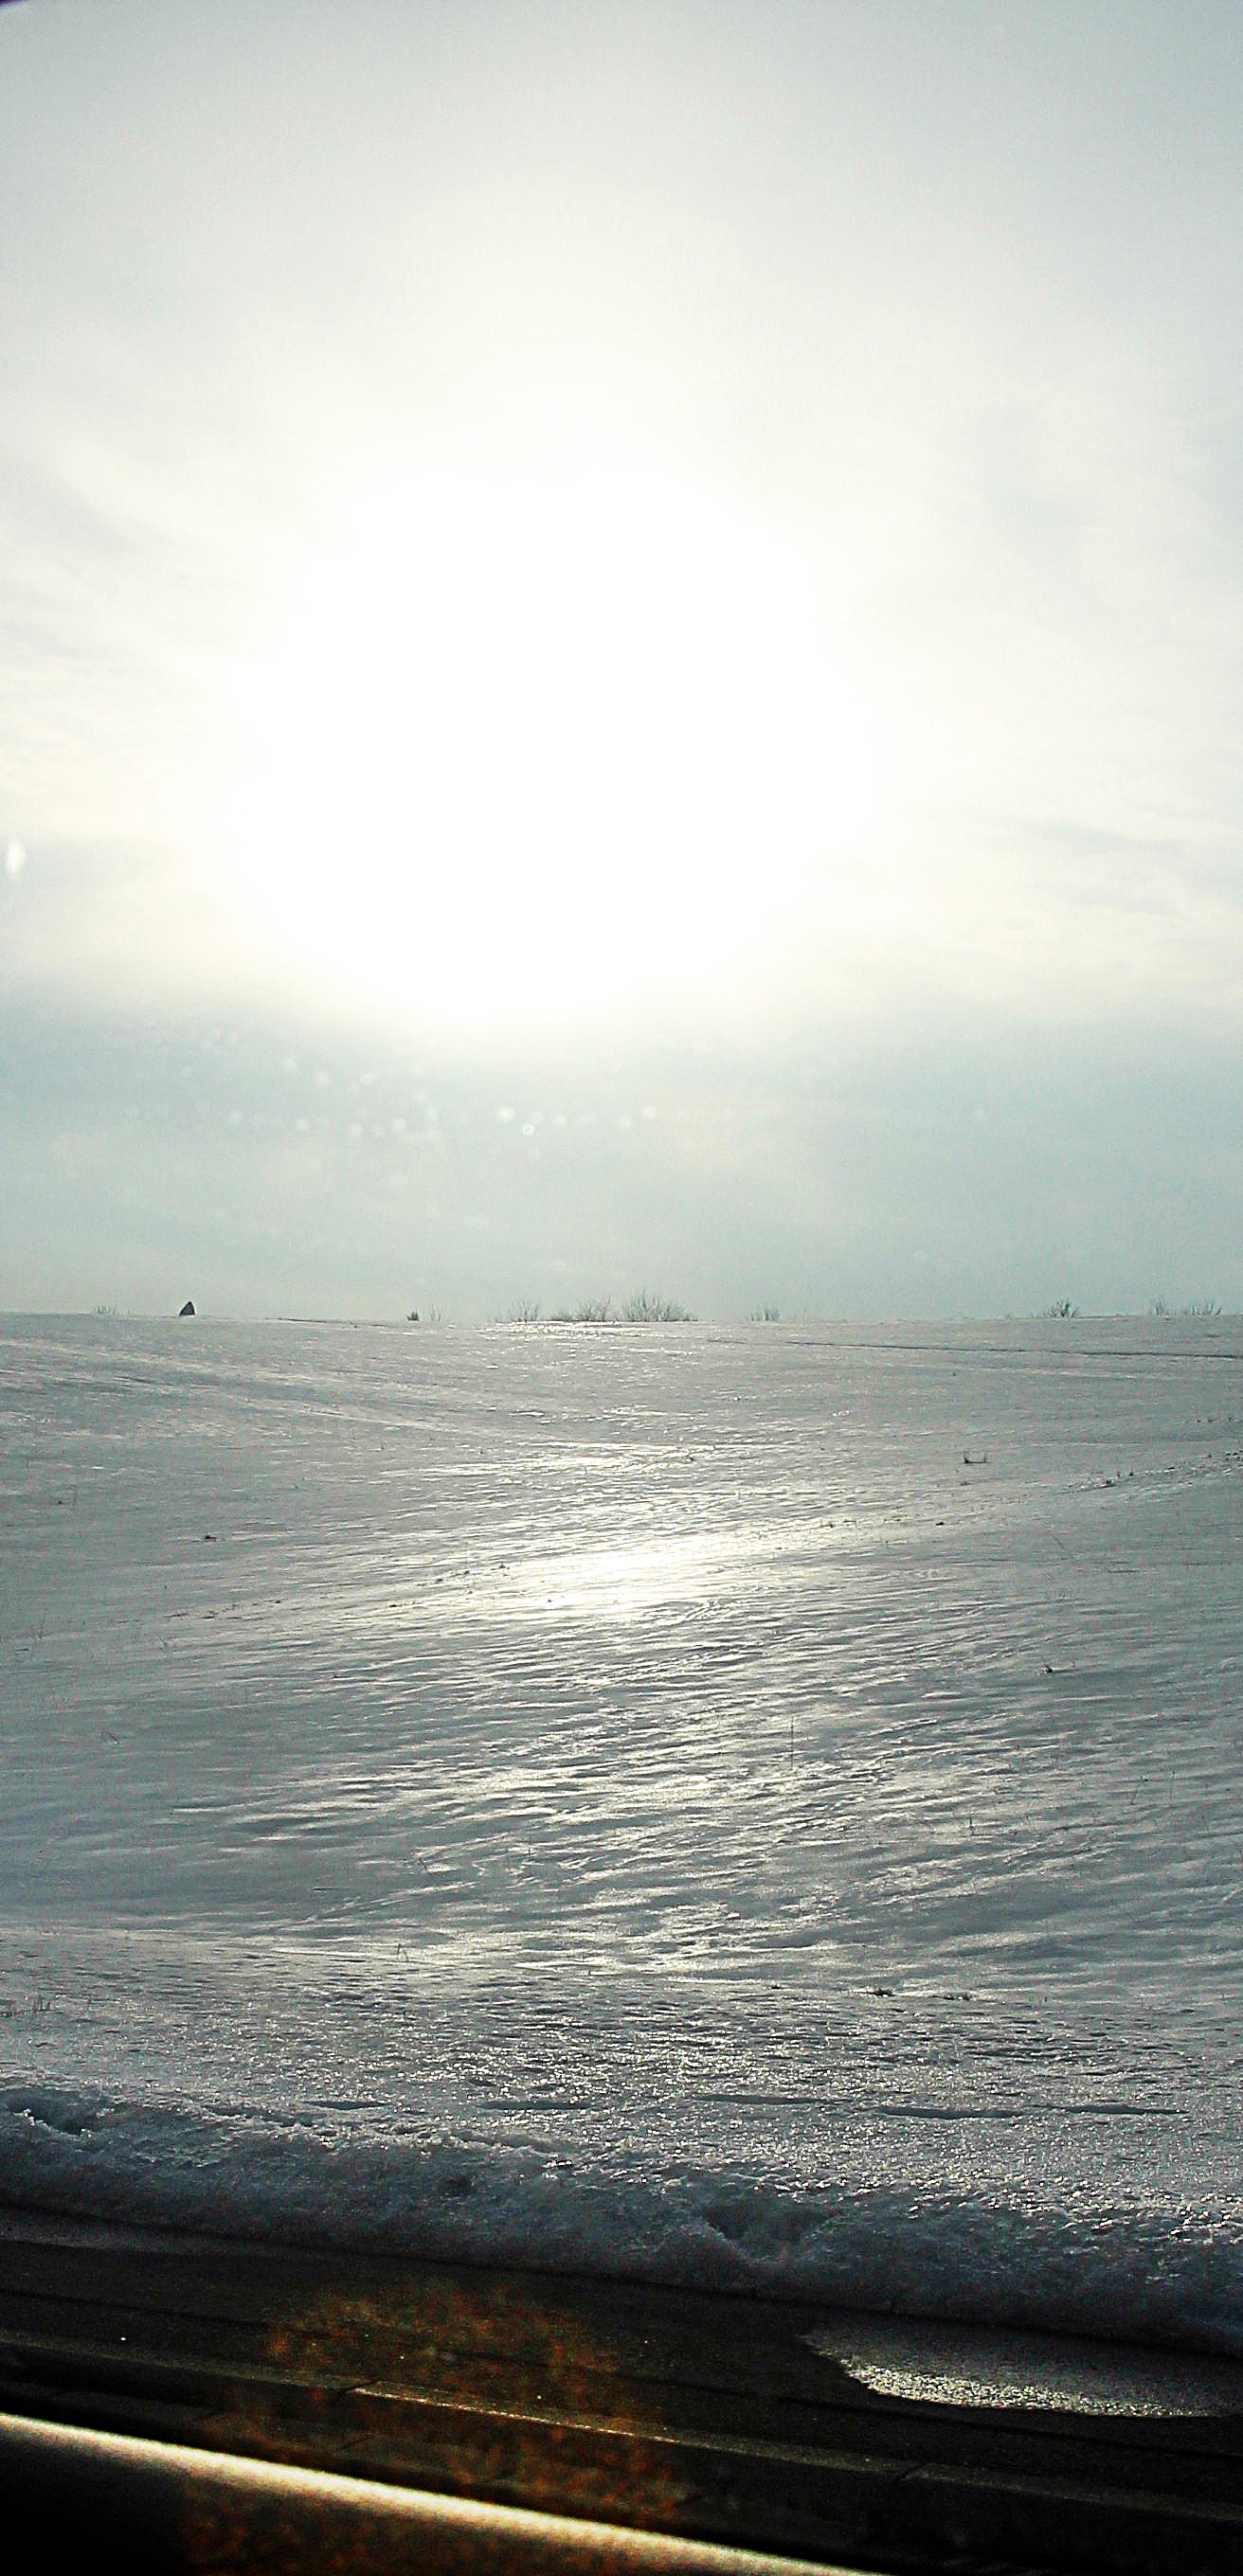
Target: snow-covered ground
[755, 1806]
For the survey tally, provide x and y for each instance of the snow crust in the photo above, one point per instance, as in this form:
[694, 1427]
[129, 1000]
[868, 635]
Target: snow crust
[752, 1807]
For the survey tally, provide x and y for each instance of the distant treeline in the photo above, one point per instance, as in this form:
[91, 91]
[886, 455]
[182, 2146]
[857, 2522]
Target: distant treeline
[643, 1308]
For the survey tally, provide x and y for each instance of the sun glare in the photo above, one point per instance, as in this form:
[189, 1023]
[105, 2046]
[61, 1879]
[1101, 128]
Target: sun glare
[540, 750]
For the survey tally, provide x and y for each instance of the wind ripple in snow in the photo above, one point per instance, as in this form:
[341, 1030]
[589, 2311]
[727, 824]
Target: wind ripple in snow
[782, 1783]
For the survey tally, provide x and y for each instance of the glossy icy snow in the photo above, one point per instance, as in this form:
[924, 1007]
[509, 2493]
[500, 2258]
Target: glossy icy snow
[752, 1804]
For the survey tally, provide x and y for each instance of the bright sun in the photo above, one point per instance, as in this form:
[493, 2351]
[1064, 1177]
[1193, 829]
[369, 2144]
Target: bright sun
[536, 750]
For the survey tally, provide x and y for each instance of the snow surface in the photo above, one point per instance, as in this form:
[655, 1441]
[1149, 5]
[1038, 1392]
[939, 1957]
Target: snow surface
[755, 1807]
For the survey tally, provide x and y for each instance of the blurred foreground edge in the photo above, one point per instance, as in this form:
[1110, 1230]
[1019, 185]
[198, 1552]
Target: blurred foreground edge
[192, 2402]
[116, 2501]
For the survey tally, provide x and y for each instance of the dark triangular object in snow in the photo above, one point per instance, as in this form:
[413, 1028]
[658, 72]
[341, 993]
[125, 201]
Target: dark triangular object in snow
[188, 1308]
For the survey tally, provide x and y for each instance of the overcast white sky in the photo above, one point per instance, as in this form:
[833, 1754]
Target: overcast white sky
[620, 654]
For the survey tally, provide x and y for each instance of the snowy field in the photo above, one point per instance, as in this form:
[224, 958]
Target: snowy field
[751, 1806]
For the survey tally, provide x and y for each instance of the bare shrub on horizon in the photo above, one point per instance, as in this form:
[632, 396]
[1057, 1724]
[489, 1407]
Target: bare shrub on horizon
[644, 1308]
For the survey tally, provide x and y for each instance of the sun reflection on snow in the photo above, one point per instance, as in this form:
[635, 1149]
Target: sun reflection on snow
[621, 1582]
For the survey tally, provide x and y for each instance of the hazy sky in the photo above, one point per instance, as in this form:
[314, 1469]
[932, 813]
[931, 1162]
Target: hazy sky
[620, 654]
